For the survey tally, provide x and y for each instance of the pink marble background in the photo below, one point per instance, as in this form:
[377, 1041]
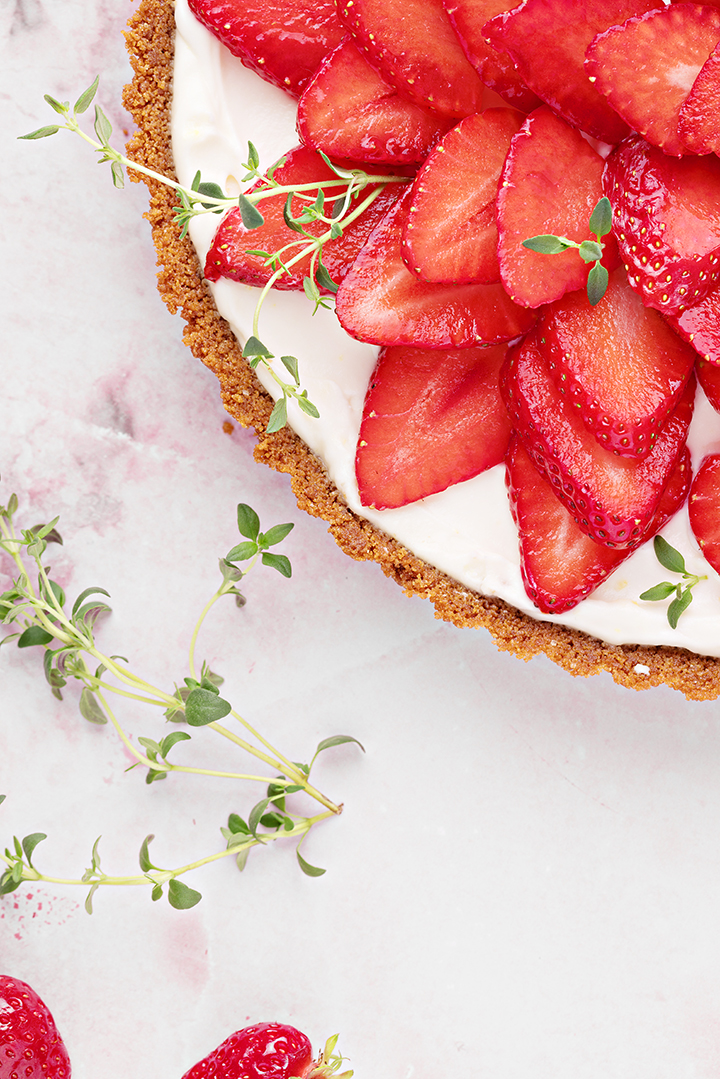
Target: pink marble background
[526, 877]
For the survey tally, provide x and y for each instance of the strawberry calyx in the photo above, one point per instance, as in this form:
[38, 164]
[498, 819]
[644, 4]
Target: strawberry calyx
[328, 1063]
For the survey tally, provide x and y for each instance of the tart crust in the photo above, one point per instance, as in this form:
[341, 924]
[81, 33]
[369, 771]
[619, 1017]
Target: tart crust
[150, 39]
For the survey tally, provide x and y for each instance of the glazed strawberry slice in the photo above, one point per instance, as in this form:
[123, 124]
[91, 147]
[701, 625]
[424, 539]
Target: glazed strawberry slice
[495, 69]
[708, 375]
[611, 498]
[380, 301]
[700, 325]
[666, 219]
[699, 117]
[262, 1051]
[618, 363]
[704, 509]
[451, 233]
[432, 418]
[646, 67]
[547, 40]
[349, 111]
[560, 565]
[414, 47]
[230, 255]
[283, 41]
[550, 183]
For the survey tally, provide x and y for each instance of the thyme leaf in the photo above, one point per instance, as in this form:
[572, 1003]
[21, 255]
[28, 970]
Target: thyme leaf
[671, 559]
[590, 251]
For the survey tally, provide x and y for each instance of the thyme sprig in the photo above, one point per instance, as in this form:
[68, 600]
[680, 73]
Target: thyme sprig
[672, 560]
[37, 606]
[336, 211]
[333, 203]
[590, 251]
[21, 870]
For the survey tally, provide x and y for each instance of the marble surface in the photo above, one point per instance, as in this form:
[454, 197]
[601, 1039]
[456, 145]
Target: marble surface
[526, 876]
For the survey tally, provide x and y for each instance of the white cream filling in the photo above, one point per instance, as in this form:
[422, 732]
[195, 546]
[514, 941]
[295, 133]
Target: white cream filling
[467, 531]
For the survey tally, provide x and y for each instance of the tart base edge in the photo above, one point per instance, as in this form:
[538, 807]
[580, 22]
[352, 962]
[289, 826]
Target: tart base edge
[149, 39]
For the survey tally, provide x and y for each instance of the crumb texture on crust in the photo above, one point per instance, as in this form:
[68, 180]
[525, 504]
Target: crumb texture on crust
[150, 38]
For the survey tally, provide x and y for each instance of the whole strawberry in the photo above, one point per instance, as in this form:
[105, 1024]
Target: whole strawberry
[268, 1051]
[30, 1046]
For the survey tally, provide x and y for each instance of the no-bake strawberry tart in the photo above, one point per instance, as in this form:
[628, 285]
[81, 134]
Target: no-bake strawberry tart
[502, 376]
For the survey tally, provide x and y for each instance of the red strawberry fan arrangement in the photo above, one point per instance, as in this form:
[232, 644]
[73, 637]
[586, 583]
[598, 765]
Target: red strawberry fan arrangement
[545, 287]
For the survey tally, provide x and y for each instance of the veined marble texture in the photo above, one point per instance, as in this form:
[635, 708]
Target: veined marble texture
[525, 880]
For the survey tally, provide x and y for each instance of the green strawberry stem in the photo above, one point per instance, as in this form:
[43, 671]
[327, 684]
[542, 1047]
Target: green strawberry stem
[328, 1063]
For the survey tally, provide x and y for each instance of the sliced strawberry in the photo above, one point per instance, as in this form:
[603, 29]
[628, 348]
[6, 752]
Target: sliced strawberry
[451, 233]
[550, 183]
[618, 363]
[611, 498]
[432, 418]
[675, 494]
[666, 219]
[349, 111]
[547, 39]
[708, 375]
[282, 40]
[704, 509]
[647, 66]
[560, 565]
[381, 302]
[495, 69]
[699, 118]
[229, 255]
[700, 325]
[414, 47]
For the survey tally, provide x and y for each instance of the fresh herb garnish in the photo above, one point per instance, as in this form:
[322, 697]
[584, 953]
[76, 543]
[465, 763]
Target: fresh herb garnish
[672, 560]
[333, 203]
[600, 225]
[40, 613]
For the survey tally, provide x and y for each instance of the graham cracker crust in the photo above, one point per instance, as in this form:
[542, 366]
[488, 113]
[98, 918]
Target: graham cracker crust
[150, 38]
